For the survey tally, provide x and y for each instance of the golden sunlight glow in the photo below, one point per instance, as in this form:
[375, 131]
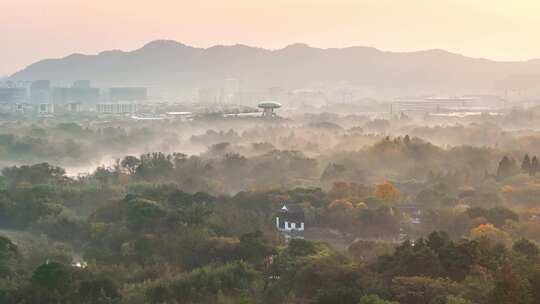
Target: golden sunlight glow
[500, 29]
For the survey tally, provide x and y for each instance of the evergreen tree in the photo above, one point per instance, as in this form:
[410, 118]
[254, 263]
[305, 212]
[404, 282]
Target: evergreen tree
[407, 139]
[535, 166]
[526, 164]
[505, 168]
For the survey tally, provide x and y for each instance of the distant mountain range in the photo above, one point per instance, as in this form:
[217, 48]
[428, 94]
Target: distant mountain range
[170, 63]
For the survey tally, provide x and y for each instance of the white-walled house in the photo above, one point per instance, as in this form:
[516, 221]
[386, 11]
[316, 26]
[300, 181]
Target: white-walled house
[290, 218]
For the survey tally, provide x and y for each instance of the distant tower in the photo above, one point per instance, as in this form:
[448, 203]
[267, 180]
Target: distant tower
[268, 108]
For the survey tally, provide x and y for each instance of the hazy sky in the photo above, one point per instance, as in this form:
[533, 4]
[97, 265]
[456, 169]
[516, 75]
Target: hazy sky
[498, 29]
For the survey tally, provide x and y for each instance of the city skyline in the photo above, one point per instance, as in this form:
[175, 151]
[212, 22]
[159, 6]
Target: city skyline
[36, 30]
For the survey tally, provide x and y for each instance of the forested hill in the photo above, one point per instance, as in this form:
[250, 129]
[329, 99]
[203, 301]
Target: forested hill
[168, 62]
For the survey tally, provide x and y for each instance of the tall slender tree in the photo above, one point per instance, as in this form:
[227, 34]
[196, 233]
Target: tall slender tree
[526, 164]
[535, 166]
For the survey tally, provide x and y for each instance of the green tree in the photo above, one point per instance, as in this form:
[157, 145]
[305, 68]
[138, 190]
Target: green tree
[98, 291]
[204, 284]
[458, 258]
[526, 164]
[422, 290]
[535, 166]
[497, 215]
[53, 276]
[374, 299]
[142, 213]
[510, 288]
[254, 247]
[343, 295]
[527, 248]
[535, 285]
[36, 174]
[457, 300]
[154, 165]
[411, 260]
[506, 168]
[52, 282]
[326, 279]
[130, 164]
[437, 240]
[9, 256]
[450, 300]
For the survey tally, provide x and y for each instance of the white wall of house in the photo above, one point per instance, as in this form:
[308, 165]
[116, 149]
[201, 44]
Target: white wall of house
[289, 226]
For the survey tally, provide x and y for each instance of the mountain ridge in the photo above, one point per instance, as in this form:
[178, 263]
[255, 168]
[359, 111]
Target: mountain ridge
[169, 62]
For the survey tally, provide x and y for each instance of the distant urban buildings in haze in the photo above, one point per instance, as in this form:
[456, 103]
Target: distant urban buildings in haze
[44, 98]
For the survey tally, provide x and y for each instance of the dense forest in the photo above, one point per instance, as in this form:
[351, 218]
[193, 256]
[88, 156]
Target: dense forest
[390, 219]
[223, 173]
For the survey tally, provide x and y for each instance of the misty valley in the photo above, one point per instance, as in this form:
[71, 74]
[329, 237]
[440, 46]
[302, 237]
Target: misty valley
[269, 152]
[325, 206]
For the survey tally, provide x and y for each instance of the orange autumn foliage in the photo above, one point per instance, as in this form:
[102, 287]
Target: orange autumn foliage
[340, 204]
[387, 192]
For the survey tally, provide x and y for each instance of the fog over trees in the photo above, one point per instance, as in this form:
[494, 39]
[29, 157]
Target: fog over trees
[405, 211]
[174, 174]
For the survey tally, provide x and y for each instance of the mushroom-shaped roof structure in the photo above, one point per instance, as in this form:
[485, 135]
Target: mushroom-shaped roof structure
[269, 105]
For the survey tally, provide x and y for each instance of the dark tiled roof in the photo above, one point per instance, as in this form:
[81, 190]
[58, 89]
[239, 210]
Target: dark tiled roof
[292, 212]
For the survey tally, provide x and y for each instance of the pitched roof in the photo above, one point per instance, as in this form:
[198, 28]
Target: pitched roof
[291, 212]
[291, 208]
